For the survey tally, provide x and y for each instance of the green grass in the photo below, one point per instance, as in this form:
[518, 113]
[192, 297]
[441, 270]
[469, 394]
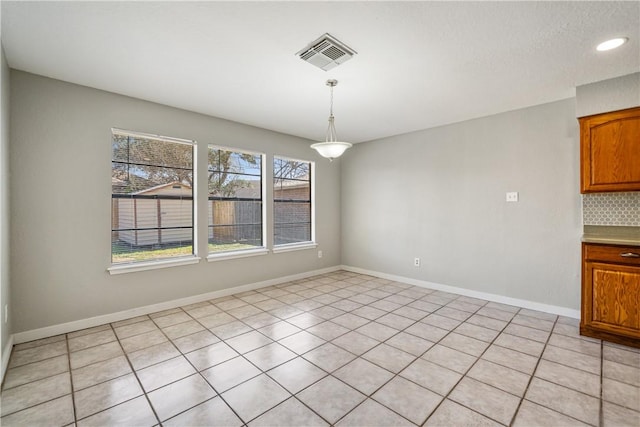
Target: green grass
[122, 253]
[229, 247]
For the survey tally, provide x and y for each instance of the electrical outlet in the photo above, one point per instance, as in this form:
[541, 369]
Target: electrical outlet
[416, 262]
[319, 254]
[512, 196]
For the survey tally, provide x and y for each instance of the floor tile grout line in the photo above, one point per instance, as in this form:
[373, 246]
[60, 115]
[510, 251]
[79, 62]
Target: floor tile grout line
[9, 367]
[533, 373]
[601, 409]
[15, 351]
[40, 403]
[106, 409]
[36, 342]
[35, 405]
[105, 381]
[295, 395]
[565, 364]
[568, 388]
[564, 385]
[558, 412]
[73, 396]
[379, 403]
[135, 374]
[37, 379]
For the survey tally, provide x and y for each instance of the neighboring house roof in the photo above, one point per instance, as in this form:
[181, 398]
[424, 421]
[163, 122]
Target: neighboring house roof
[292, 182]
[290, 185]
[248, 192]
[165, 188]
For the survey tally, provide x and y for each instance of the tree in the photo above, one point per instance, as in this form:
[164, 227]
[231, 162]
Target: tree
[142, 163]
[229, 170]
[290, 169]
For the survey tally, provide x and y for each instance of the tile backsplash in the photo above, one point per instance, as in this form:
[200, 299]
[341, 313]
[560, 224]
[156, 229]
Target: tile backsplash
[611, 209]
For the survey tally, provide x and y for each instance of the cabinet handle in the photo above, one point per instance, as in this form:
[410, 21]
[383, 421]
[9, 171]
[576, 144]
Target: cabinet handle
[629, 255]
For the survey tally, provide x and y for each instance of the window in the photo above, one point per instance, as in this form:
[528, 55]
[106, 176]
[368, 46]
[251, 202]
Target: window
[235, 209]
[292, 201]
[152, 203]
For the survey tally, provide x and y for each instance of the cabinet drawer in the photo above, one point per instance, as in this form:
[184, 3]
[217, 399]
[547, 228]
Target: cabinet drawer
[615, 254]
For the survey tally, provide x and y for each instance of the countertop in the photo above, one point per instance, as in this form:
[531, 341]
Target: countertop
[629, 236]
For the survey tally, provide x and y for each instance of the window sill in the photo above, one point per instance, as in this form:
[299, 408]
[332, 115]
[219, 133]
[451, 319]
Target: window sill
[237, 254]
[294, 247]
[151, 265]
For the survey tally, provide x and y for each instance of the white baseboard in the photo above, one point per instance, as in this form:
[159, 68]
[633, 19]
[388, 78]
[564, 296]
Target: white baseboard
[77, 325]
[6, 355]
[63, 328]
[532, 305]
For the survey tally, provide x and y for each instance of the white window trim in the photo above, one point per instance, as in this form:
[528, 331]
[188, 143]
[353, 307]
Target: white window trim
[169, 262]
[152, 265]
[194, 207]
[153, 136]
[242, 253]
[219, 256]
[288, 247]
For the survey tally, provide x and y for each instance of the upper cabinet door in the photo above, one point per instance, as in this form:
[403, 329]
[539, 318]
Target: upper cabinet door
[610, 151]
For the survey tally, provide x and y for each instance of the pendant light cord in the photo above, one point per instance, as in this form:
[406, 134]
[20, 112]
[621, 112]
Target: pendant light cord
[331, 103]
[331, 130]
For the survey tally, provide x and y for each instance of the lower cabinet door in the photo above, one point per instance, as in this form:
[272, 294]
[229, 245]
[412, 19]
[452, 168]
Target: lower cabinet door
[614, 298]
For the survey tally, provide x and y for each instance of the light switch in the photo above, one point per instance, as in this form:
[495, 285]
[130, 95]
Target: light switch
[512, 196]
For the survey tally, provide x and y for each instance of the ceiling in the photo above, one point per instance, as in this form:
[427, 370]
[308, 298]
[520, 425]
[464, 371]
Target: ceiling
[419, 64]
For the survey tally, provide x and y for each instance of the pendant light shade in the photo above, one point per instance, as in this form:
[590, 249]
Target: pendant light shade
[331, 148]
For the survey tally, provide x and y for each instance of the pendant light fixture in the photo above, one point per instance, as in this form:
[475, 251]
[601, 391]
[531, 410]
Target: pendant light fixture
[331, 148]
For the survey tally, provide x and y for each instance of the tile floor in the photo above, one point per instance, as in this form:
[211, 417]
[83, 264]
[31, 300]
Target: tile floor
[338, 349]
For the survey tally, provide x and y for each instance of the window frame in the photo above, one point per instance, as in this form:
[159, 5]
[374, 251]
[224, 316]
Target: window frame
[258, 250]
[193, 258]
[309, 244]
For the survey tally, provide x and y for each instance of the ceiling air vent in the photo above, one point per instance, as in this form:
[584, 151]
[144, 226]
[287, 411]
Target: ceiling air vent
[326, 52]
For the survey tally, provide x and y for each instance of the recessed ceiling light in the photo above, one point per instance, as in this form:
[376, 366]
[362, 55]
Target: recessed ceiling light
[612, 44]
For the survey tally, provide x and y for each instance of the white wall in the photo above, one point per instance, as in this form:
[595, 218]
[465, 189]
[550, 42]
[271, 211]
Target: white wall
[6, 327]
[61, 155]
[608, 95]
[439, 194]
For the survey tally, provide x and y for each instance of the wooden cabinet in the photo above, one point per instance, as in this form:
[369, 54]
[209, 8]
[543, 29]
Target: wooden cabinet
[610, 151]
[611, 293]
